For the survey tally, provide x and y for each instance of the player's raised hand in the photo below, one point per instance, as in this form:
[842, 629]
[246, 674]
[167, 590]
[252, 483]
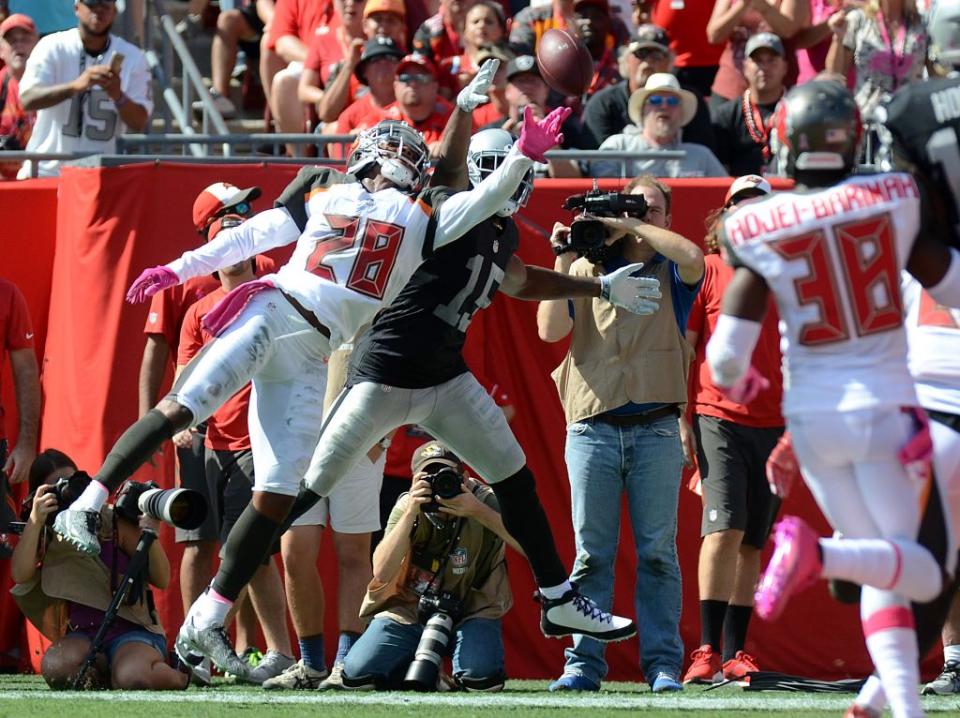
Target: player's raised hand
[475, 93]
[639, 295]
[782, 468]
[538, 137]
[150, 282]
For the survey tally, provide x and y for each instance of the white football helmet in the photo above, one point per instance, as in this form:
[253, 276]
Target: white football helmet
[398, 148]
[486, 152]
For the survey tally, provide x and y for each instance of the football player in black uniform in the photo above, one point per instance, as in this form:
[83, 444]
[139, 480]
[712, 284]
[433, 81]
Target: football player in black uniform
[408, 368]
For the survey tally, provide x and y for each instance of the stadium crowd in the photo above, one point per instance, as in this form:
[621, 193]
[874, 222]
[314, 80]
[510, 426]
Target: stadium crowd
[668, 75]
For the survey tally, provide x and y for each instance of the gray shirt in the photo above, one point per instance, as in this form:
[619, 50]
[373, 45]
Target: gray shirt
[699, 161]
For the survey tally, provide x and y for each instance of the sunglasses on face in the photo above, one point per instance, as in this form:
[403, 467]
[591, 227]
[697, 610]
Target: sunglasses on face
[660, 100]
[410, 79]
[98, 3]
[649, 53]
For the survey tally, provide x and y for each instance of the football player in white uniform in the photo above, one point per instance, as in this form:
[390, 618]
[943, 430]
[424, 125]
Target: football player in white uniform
[831, 253]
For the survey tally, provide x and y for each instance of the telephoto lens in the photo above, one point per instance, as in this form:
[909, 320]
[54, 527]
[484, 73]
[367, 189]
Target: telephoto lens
[183, 508]
[425, 667]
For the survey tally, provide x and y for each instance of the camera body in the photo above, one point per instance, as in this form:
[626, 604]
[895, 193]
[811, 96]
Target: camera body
[66, 490]
[437, 613]
[445, 484]
[588, 234]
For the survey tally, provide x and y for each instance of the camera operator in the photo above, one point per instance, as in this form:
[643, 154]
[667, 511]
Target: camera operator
[64, 593]
[622, 385]
[441, 561]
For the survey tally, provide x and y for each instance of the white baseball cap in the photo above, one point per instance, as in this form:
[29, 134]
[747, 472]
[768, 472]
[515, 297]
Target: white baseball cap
[745, 183]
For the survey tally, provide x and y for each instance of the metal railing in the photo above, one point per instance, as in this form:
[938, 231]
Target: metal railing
[160, 24]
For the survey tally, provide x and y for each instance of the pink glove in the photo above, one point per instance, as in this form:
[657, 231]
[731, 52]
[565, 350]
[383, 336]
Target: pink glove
[150, 282]
[917, 454]
[538, 137]
[782, 467]
[747, 388]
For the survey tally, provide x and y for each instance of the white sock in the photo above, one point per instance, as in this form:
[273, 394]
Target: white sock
[951, 653]
[872, 695]
[892, 643]
[210, 609]
[555, 592]
[903, 567]
[92, 498]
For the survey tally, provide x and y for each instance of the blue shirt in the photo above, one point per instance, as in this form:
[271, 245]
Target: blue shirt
[682, 295]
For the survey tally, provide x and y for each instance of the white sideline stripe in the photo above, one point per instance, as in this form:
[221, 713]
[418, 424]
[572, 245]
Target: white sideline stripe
[933, 704]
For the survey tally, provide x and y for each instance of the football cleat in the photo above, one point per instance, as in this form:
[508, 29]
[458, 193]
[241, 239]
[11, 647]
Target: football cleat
[795, 565]
[575, 613]
[705, 667]
[947, 683]
[298, 677]
[212, 643]
[79, 529]
[271, 665]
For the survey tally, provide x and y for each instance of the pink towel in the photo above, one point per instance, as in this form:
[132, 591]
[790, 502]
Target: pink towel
[229, 308]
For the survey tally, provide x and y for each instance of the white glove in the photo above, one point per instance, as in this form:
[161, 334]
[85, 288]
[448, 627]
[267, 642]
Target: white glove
[635, 294]
[475, 94]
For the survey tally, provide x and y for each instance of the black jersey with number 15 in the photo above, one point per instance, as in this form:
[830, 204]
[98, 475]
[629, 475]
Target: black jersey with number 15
[417, 341]
[924, 120]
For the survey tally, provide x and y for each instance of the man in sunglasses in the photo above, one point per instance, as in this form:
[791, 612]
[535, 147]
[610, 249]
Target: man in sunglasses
[87, 86]
[648, 52]
[660, 110]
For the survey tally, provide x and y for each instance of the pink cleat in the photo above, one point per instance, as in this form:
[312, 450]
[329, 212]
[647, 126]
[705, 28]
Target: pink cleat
[795, 565]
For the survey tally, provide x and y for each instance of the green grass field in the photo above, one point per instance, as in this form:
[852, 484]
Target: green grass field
[28, 697]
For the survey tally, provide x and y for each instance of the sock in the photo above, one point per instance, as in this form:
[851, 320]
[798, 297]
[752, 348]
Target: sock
[134, 448]
[712, 615]
[311, 652]
[951, 653]
[902, 567]
[210, 609]
[872, 695]
[92, 498]
[735, 625]
[524, 518]
[244, 551]
[555, 592]
[347, 639]
[892, 643]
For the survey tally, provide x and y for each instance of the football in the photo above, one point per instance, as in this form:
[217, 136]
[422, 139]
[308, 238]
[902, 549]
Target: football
[564, 62]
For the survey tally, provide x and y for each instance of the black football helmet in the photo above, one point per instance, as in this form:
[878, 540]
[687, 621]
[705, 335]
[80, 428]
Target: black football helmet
[817, 128]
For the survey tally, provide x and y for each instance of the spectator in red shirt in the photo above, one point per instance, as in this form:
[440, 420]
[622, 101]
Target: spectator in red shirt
[485, 26]
[18, 36]
[418, 103]
[439, 36]
[17, 334]
[229, 470]
[332, 87]
[695, 58]
[376, 71]
[733, 443]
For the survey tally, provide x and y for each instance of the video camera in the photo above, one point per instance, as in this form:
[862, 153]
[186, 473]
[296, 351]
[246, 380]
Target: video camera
[588, 234]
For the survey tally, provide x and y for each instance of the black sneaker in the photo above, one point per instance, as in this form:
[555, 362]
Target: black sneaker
[575, 613]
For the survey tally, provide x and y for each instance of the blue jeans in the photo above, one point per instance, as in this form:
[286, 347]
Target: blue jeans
[385, 650]
[603, 462]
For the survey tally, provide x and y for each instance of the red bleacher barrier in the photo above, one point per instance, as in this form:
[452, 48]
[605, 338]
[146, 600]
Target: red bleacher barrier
[111, 223]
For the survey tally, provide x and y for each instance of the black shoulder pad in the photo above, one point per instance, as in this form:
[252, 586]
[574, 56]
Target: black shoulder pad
[295, 195]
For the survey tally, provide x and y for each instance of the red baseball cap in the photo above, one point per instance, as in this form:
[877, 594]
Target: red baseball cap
[17, 20]
[418, 61]
[218, 197]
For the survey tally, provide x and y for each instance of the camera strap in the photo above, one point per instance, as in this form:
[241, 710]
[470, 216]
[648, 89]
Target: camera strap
[442, 565]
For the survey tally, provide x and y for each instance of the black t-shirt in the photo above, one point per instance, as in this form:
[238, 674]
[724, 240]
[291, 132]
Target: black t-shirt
[736, 149]
[417, 341]
[605, 115]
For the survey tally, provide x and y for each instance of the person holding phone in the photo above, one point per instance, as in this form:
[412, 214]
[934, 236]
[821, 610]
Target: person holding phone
[87, 86]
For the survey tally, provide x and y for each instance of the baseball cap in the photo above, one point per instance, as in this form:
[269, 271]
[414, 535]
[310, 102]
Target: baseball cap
[418, 61]
[486, 52]
[433, 452]
[746, 183]
[17, 20]
[395, 6]
[522, 64]
[650, 35]
[218, 197]
[375, 47]
[767, 40]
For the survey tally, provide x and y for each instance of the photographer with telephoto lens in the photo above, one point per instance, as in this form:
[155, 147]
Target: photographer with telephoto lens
[439, 585]
[64, 593]
[622, 384]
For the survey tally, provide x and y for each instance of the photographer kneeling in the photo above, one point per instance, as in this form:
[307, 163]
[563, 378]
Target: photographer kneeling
[439, 584]
[64, 593]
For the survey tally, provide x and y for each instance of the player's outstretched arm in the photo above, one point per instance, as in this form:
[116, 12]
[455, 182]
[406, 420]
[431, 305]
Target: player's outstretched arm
[451, 169]
[269, 229]
[464, 210]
